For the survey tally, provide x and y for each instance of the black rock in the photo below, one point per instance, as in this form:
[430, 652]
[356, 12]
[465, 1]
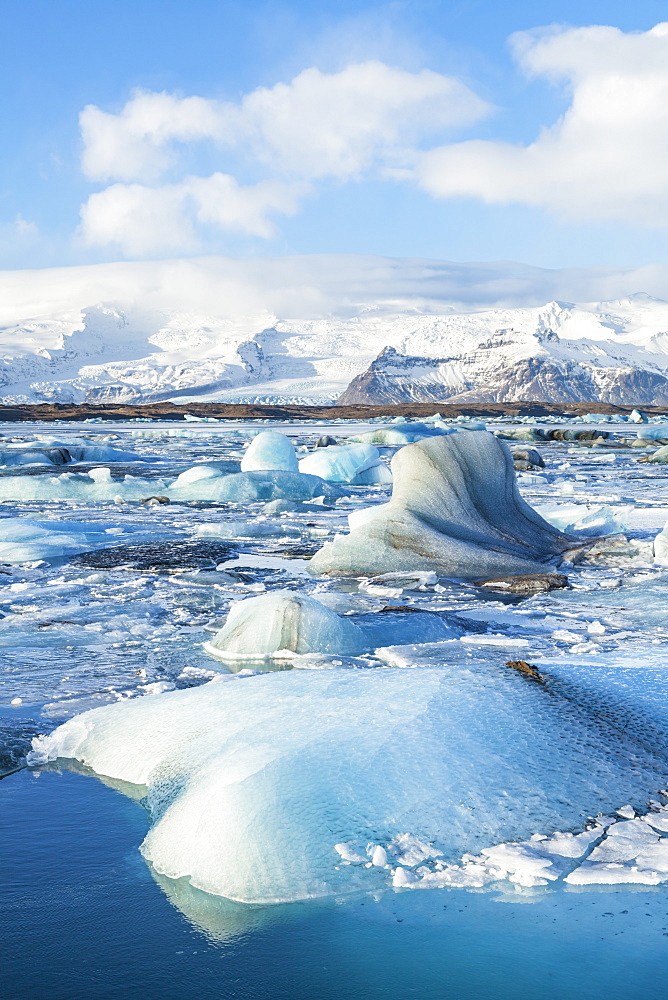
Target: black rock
[170, 556]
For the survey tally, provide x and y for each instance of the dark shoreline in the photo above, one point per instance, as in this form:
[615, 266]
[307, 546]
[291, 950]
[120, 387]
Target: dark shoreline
[258, 411]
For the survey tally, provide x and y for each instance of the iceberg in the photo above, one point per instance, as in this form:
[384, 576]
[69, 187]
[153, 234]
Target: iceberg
[356, 464]
[281, 624]
[24, 540]
[205, 482]
[589, 519]
[55, 453]
[455, 510]
[655, 432]
[247, 487]
[403, 433]
[270, 450]
[251, 782]
[96, 485]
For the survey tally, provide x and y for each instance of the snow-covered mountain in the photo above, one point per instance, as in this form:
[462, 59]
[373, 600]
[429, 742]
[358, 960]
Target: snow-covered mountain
[317, 328]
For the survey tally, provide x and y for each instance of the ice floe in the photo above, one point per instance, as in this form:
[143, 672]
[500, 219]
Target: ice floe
[251, 783]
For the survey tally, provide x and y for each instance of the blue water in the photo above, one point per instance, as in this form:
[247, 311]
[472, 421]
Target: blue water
[84, 919]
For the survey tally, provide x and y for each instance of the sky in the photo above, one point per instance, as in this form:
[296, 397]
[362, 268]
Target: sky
[464, 131]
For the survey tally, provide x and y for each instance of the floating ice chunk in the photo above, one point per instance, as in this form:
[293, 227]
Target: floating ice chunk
[385, 582]
[279, 624]
[282, 623]
[637, 417]
[49, 452]
[402, 877]
[247, 529]
[455, 510]
[270, 450]
[404, 433]
[246, 487]
[97, 485]
[344, 464]
[24, 540]
[250, 783]
[590, 519]
[653, 432]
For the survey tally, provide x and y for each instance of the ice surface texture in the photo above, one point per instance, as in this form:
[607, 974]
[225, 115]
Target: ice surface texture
[251, 782]
[270, 450]
[455, 509]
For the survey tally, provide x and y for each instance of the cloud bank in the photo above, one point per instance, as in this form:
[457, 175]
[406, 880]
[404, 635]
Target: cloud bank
[605, 159]
[320, 125]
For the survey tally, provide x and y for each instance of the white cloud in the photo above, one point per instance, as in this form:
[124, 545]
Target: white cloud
[341, 124]
[142, 220]
[319, 124]
[606, 158]
[135, 144]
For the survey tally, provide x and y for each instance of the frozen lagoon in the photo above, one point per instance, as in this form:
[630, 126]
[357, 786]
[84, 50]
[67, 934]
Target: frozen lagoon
[74, 638]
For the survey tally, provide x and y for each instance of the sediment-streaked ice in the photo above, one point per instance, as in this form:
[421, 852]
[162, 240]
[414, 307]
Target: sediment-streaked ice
[400, 434]
[455, 510]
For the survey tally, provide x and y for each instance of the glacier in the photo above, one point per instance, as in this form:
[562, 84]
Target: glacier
[318, 329]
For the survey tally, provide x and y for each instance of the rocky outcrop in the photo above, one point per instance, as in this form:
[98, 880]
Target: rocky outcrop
[485, 375]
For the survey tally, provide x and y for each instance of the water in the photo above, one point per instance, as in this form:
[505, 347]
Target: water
[85, 917]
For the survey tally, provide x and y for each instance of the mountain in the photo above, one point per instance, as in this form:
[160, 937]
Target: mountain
[613, 352]
[321, 328]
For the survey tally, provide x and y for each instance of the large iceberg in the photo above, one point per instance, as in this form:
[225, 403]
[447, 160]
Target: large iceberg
[270, 450]
[456, 510]
[357, 464]
[251, 782]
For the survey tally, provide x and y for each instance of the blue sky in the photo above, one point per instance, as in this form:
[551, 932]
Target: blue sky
[407, 129]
